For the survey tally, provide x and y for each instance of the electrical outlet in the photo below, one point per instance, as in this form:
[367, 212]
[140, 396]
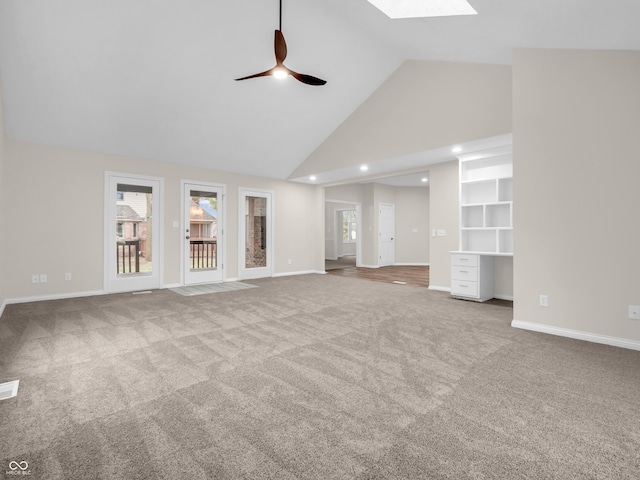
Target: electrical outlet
[67, 276]
[35, 278]
[43, 278]
[544, 301]
[634, 312]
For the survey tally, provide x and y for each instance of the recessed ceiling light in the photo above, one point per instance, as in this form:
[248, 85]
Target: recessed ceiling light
[364, 168]
[423, 8]
[425, 179]
[313, 178]
[456, 149]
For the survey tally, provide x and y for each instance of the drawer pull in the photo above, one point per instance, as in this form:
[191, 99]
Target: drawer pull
[464, 286]
[464, 271]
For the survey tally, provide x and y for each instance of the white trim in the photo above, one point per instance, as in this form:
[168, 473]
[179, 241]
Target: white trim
[270, 195]
[504, 297]
[577, 335]
[358, 206]
[369, 266]
[55, 296]
[439, 289]
[411, 264]
[222, 227]
[301, 272]
[2, 307]
[158, 217]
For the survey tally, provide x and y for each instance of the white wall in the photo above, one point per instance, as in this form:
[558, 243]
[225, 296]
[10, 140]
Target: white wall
[3, 223]
[412, 225]
[444, 214]
[422, 106]
[54, 233]
[576, 195]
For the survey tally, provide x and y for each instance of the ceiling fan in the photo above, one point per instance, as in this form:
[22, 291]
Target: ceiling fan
[280, 71]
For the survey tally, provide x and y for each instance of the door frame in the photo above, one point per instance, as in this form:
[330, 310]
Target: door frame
[221, 244]
[141, 282]
[393, 233]
[249, 273]
[357, 206]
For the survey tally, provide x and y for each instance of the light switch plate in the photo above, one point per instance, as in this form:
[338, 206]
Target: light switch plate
[634, 312]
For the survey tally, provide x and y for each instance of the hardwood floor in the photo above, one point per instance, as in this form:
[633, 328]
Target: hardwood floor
[411, 275]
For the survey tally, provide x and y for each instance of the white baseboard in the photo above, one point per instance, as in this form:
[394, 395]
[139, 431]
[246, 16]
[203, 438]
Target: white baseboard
[577, 335]
[172, 285]
[4, 304]
[440, 289]
[411, 264]
[369, 266]
[302, 272]
[504, 297]
[55, 296]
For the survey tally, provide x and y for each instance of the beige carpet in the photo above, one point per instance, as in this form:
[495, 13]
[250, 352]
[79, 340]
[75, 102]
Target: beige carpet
[310, 377]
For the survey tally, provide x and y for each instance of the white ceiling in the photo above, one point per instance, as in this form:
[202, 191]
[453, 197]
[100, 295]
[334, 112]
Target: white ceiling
[153, 79]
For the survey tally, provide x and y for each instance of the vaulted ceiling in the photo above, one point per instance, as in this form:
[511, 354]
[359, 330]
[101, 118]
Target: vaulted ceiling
[153, 79]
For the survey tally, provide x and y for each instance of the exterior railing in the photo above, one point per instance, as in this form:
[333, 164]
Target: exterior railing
[203, 253]
[126, 251]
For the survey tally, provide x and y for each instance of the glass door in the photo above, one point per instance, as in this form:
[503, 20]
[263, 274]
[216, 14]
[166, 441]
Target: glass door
[202, 228]
[132, 242]
[256, 245]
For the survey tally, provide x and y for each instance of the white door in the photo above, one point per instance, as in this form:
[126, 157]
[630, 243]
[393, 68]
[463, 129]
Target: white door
[202, 228]
[133, 238]
[386, 227]
[255, 234]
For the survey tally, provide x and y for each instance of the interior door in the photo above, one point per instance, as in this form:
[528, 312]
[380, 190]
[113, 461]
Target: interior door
[255, 234]
[133, 242]
[202, 228]
[386, 248]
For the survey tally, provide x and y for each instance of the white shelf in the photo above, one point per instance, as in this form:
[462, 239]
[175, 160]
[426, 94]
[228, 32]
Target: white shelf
[486, 221]
[486, 202]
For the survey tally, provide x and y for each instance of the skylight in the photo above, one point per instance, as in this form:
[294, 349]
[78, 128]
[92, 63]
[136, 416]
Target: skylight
[423, 8]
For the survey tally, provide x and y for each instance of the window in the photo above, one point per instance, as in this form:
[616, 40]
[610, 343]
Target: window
[119, 195]
[120, 229]
[135, 230]
[348, 226]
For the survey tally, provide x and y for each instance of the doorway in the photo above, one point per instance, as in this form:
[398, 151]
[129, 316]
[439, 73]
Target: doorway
[202, 227]
[133, 224]
[255, 234]
[342, 234]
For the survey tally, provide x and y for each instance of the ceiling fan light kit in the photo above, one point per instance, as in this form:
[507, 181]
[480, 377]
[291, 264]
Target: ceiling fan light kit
[280, 70]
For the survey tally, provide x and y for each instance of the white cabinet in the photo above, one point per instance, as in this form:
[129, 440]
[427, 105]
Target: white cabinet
[486, 221]
[471, 276]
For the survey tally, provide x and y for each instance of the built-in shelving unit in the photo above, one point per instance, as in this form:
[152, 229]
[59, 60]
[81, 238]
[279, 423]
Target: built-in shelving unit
[486, 221]
[486, 202]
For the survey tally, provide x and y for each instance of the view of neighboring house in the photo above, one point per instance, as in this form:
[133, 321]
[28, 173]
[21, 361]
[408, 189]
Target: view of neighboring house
[131, 231]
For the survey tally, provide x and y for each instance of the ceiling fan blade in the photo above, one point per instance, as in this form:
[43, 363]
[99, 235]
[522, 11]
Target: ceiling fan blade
[280, 47]
[255, 75]
[308, 79]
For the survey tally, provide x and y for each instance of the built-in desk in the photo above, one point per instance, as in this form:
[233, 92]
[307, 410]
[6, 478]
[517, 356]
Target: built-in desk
[472, 275]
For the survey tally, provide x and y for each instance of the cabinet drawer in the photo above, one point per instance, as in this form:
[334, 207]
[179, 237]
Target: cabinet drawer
[464, 260]
[464, 273]
[464, 289]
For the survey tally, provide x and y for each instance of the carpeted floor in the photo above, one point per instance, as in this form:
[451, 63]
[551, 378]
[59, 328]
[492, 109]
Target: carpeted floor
[309, 377]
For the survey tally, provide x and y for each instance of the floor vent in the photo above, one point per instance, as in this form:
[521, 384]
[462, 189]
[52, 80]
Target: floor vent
[398, 282]
[9, 389]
